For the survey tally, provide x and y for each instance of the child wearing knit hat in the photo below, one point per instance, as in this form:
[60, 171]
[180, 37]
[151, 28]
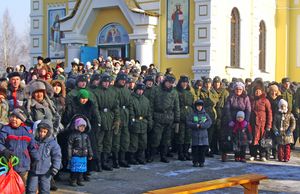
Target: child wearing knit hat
[79, 150]
[241, 137]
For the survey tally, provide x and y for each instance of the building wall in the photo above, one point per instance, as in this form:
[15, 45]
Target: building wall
[104, 17]
[180, 64]
[251, 13]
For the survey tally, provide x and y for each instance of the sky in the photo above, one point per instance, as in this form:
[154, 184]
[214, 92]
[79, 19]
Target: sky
[19, 11]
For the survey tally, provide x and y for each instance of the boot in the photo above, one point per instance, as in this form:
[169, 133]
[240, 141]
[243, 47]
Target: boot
[186, 153]
[53, 186]
[115, 160]
[105, 164]
[98, 163]
[152, 153]
[180, 153]
[73, 179]
[86, 177]
[163, 154]
[224, 157]
[80, 179]
[132, 159]
[122, 160]
[140, 157]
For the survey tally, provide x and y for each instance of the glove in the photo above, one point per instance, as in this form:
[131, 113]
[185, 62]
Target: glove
[176, 128]
[276, 133]
[288, 132]
[7, 154]
[53, 171]
[116, 127]
[231, 124]
[268, 129]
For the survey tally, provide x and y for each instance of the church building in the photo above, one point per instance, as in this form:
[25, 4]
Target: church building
[198, 38]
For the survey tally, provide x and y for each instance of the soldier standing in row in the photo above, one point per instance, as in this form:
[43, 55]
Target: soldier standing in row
[121, 139]
[186, 100]
[140, 121]
[210, 98]
[108, 105]
[166, 111]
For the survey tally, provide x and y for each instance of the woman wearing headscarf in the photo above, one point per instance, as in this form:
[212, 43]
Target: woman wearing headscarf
[237, 101]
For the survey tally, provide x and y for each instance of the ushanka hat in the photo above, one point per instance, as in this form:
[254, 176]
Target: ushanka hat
[18, 112]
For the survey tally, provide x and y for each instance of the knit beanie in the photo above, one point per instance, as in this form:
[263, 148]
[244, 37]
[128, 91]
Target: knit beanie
[83, 93]
[19, 113]
[280, 103]
[239, 85]
[240, 114]
[79, 122]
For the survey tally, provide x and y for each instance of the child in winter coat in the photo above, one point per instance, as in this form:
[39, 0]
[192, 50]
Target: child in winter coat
[79, 148]
[241, 137]
[199, 122]
[16, 139]
[283, 125]
[49, 162]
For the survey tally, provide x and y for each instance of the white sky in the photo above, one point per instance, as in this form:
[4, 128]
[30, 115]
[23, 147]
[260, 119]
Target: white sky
[19, 11]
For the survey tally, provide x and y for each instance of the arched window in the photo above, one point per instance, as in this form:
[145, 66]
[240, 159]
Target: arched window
[235, 38]
[262, 46]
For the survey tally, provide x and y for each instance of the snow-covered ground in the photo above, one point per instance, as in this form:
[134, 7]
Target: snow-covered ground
[283, 177]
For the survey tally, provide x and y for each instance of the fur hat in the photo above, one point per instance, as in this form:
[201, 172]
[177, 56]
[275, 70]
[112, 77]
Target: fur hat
[79, 122]
[18, 112]
[199, 103]
[184, 78]
[35, 86]
[240, 114]
[76, 61]
[282, 102]
[140, 86]
[170, 79]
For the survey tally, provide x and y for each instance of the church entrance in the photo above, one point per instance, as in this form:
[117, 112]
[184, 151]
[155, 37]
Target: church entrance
[113, 40]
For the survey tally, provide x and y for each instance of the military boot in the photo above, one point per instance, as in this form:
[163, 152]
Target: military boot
[186, 153]
[163, 154]
[180, 153]
[115, 160]
[122, 160]
[105, 164]
[132, 159]
[98, 163]
[152, 153]
[140, 157]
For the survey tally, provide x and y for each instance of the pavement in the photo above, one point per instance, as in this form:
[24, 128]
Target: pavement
[284, 177]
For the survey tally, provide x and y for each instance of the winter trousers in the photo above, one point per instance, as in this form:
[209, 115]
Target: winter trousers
[284, 152]
[241, 153]
[198, 153]
[40, 182]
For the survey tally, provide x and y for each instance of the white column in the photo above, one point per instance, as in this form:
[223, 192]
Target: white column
[73, 51]
[144, 51]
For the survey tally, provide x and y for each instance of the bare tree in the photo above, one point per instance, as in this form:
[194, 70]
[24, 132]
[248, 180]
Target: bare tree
[14, 49]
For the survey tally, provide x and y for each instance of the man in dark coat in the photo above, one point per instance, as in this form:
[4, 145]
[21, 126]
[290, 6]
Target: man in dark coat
[15, 92]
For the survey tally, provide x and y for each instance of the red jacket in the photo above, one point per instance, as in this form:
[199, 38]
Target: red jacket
[261, 117]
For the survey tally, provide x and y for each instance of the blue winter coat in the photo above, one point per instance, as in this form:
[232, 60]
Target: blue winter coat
[199, 134]
[50, 156]
[21, 143]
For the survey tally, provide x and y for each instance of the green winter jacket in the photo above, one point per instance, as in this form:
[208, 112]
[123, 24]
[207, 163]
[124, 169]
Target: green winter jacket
[124, 98]
[108, 105]
[210, 98]
[186, 100]
[165, 104]
[140, 114]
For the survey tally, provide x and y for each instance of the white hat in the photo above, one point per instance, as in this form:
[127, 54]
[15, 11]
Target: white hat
[76, 60]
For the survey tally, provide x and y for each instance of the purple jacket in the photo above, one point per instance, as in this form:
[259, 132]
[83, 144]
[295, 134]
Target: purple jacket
[236, 103]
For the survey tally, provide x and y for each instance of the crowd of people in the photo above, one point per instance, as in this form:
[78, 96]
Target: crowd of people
[114, 113]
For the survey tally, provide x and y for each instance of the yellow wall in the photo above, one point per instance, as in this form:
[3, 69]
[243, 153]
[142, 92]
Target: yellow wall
[104, 17]
[286, 28]
[180, 66]
[294, 71]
